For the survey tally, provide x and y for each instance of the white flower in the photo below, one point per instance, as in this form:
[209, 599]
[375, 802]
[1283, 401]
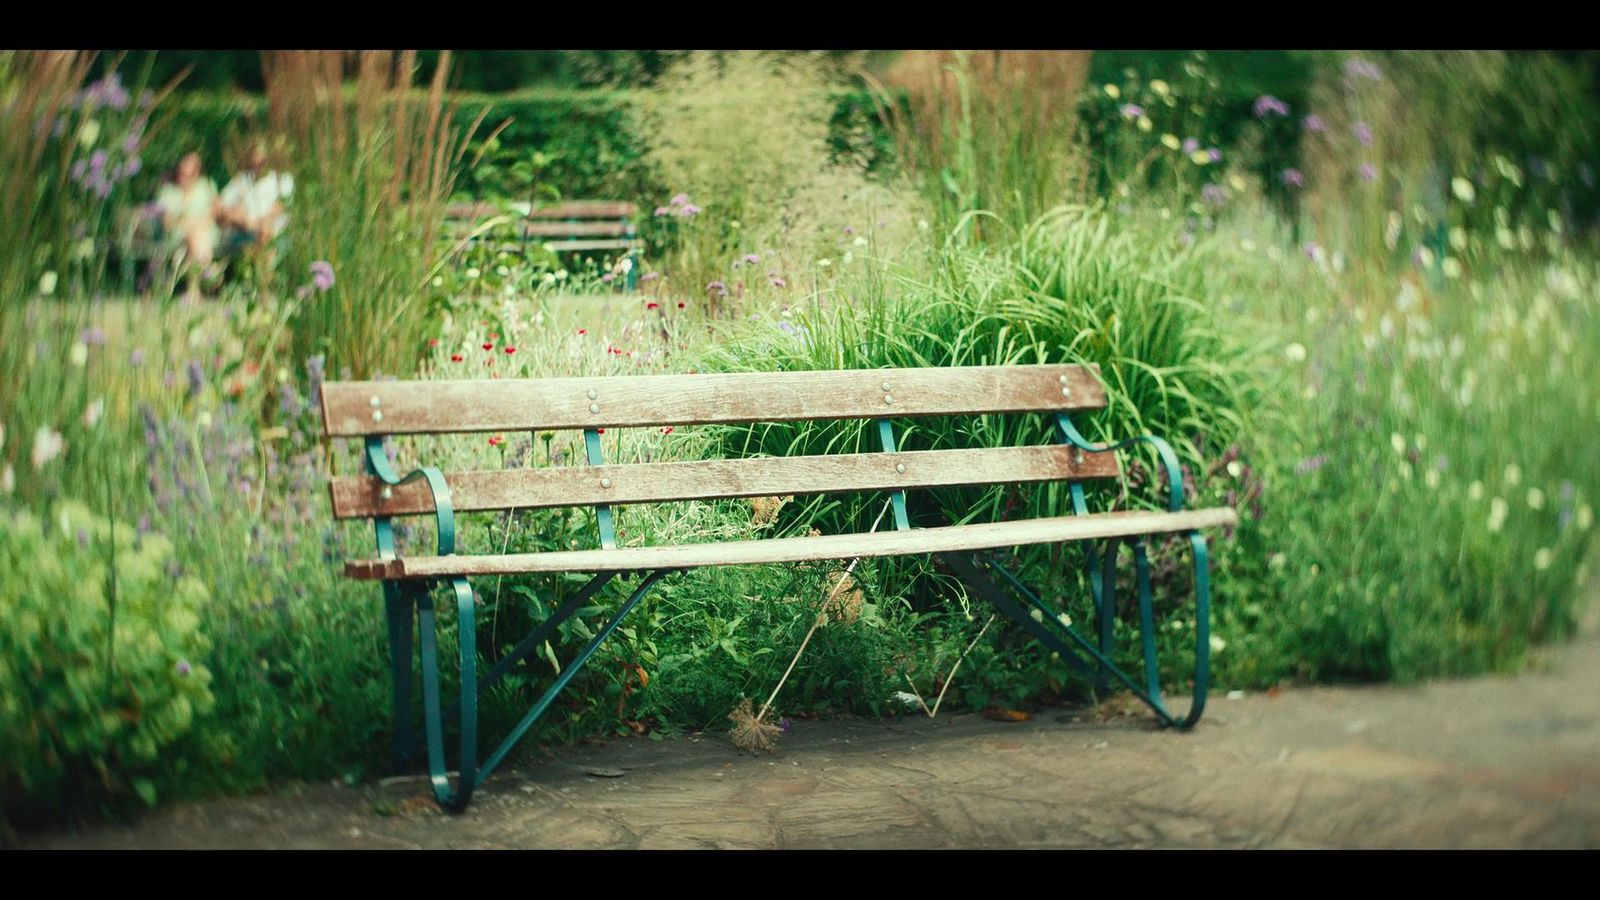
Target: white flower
[1112, 91]
[1296, 352]
[549, 278]
[860, 242]
[204, 420]
[1171, 140]
[1235, 468]
[473, 272]
[1542, 559]
[1475, 491]
[906, 697]
[627, 264]
[502, 271]
[1585, 517]
[561, 274]
[1498, 509]
[1458, 238]
[79, 355]
[1036, 615]
[8, 479]
[1451, 267]
[89, 132]
[824, 263]
[1535, 498]
[47, 283]
[1277, 561]
[1218, 644]
[922, 225]
[93, 412]
[1432, 478]
[1160, 87]
[438, 280]
[1236, 182]
[1397, 442]
[1064, 619]
[1513, 475]
[1145, 124]
[1462, 189]
[47, 445]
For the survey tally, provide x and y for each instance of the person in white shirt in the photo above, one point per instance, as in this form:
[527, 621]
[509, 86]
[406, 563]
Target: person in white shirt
[189, 210]
[253, 202]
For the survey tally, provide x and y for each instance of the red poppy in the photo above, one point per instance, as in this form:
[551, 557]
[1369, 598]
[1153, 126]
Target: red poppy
[455, 357]
[652, 305]
[583, 331]
[666, 429]
[496, 441]
[433, 342]
[600, 431]
[681, 304]
[494, 337]
[510, 350]
[488, 346]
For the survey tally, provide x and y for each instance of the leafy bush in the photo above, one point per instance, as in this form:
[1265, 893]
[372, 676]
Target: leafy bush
[101, 672]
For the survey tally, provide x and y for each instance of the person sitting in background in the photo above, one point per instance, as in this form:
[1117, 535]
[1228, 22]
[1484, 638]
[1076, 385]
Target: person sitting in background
[252, 203]
[189, 208]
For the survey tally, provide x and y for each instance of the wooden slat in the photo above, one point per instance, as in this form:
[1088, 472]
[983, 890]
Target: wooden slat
[362, 497]
[802, 549]
[617, 244]
[356, 408]
[587, 209]
[576, 229]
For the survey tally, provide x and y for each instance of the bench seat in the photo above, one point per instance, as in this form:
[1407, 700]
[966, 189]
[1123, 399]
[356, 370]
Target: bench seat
[980, 536]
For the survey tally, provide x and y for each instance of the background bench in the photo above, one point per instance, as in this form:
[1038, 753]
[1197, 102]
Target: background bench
[371, 411]
[577, 226]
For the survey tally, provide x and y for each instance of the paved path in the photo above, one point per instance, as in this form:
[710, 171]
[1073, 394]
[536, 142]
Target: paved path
[1492, 762]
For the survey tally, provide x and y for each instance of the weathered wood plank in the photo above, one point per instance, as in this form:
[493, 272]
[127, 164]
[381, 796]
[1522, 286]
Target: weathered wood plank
[801, 549]
[362, 497]
[576, 229]
[587, 209]
[357, 408]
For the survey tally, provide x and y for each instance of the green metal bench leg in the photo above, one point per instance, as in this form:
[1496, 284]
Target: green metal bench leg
[402, 609]
[453, 799]
[1102, 587]
[968, 571]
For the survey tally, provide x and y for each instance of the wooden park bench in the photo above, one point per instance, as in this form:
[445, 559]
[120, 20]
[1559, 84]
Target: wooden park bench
[576, 226]
[371, 411]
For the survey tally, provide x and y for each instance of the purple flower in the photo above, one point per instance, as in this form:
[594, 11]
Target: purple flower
[94, 336]
[1357, 68]
[751, 259]
[1215, 154]
[1292, 177]
[1214, 194]
[680, 199]
[1363, 133]
[649, 277]
[130, 168]
[1266, 104]
[609, 277]
[663, 211]
[1190, 145]
[849, 230]
[1132, 110]
[777, 281]
[1312, 250]
[1313, 123]
[78, 170]
[97, 161]
[184, 668]
[784, 725]
[689, 209]
[717, 287]
[136, 358]
[322, 274]
[130, 144]
[1311, 464]
[197, 378]
[1369, 172]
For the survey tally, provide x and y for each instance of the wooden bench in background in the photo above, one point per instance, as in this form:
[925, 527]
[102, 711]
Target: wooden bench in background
[578, 226]
[372, 411]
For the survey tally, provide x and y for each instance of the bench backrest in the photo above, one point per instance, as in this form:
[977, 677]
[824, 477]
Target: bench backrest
[574, 225]
[372, 410]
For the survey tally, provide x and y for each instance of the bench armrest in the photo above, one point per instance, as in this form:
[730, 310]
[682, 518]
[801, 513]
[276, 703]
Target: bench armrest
[444, 511]
[1169, 459]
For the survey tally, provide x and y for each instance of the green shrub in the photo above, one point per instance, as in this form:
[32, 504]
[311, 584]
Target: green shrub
[100, 664]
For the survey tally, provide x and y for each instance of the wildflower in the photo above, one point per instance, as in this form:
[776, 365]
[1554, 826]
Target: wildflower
[1451, 267]
[751, 259]
[1311, 464]
[1363, 133]
[1358, 68]
[47, 283]
[1292, 177]
[1172, 143]
[1112, 91]
[583, 331]
[1313, 123]
[1498, 509]
[666, 429]
[859, 242]
[1218, 644]
[777, 281]
[79, 354]
[47, 445]
[184, 668]
[824, 263]
[456, 357]
[510, 350]
[1369, 172]
[496, 441]
[1462, 188]
[1214, 194]
[1267, 104]
[1160, 87]
[488, 345]
[1296, 352]
[1313, 251]
[609, 277]
[1535, 498]
[561, 274]
[682, 304]
[8, 479]
[1432, 478]
[1145, 124]
[1475, 491]
[652, 305]
[680, 199]
[690, 209]
[94, 412]
[473, 273]
[715, 287]
[1397, 442]
[1585, 517]
[648, 277]
[322, 274]
[1214, 154]
[1132, 110]
[663, 211]
[1542, 559]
